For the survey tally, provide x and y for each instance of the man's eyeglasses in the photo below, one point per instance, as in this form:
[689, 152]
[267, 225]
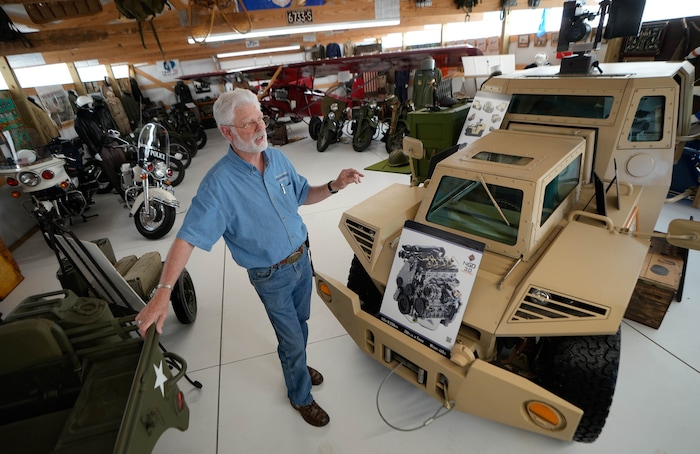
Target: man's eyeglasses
[253, 124]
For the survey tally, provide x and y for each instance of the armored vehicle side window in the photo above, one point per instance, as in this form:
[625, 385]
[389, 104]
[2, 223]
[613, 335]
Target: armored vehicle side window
[649, 120]
[560, 187]
[562, 105]
[467, 206]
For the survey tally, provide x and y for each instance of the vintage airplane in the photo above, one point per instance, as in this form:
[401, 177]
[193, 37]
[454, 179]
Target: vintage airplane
[288, 89]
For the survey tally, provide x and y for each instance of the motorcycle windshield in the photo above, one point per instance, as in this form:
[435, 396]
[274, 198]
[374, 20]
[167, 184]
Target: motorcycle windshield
[12, 159]
[153, 144]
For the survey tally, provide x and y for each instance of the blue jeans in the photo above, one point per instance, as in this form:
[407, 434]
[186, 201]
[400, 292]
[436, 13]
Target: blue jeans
[285, 292]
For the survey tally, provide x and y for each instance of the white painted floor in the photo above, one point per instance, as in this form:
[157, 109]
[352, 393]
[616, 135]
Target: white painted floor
[243, 407]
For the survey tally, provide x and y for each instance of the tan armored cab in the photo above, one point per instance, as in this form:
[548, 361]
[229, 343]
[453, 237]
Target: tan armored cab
[554, 210]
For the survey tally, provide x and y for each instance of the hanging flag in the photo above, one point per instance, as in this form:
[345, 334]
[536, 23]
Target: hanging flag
[541, 30]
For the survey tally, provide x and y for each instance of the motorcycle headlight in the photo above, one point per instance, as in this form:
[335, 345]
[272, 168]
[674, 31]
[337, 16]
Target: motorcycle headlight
[331, 115]
[161, 170]
[29, 178]
[334, 106]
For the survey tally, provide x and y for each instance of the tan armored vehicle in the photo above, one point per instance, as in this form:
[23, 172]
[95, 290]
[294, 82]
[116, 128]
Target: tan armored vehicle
[560, 203]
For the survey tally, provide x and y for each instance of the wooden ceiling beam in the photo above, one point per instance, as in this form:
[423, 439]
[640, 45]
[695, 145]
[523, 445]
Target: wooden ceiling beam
[107, 38]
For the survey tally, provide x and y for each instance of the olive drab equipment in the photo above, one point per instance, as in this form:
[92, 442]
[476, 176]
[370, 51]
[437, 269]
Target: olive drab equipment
[9, 31]
[467, 5]
[143, 10]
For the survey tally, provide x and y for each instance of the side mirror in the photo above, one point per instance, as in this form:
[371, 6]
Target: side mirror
[413, 148]
[684, 233]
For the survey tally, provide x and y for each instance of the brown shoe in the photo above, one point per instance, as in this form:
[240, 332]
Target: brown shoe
[313, 414]
[316, 377]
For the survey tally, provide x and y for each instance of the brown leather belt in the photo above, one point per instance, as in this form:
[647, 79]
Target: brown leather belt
[293, 257]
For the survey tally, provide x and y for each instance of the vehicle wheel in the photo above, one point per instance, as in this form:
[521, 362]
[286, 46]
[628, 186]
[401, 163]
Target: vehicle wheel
[191, 145]
[582, 370]
[325, 137]
[201, 138]
[157, 223]
[395, 140]
[362, 138]
[360, 283]
[178, 172]
[186, 160]
[314, 127]
[184, 299]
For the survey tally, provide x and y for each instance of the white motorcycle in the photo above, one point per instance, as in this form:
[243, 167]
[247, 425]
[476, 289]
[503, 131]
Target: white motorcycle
[46, 179]
[146, 182]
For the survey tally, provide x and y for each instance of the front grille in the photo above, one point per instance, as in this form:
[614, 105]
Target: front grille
[364, 236]
[541, 304]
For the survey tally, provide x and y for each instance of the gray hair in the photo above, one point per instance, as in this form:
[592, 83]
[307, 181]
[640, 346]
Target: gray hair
[228, 102]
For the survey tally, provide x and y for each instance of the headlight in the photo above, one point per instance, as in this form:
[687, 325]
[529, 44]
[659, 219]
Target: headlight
[161, 170]
[29, 179]
[331, 115]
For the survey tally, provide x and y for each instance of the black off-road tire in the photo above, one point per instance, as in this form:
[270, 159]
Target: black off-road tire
[362, 137]
[360, 283]
[201, 138]
[325, 137]
[582, 370]
[184, 299]
[314, 127]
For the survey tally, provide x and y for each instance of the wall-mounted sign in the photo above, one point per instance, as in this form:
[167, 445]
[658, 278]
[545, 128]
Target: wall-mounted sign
[300, 16]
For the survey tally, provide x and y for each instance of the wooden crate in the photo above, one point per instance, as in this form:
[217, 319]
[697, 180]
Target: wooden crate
[10, 275]
[659, 283]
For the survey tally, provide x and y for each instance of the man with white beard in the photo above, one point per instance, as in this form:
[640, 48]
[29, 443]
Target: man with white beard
[251, 198]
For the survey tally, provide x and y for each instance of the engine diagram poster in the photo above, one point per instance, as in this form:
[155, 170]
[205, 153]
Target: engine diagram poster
[429, 285]
[485, 115]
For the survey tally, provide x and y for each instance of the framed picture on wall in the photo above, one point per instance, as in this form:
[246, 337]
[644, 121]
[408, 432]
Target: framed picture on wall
[524, 41]
[647, 43]
[555, 39]
[541, 41]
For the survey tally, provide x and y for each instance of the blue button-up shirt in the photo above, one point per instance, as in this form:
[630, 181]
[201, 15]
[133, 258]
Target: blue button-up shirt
[257, 214]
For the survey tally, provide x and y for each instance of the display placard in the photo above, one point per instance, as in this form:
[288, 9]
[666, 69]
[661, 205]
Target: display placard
[429, 285]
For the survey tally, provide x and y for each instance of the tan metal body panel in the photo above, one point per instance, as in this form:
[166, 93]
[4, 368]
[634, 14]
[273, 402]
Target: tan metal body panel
[477, 388]
[647, 163]
[611, 265]
[383, 216]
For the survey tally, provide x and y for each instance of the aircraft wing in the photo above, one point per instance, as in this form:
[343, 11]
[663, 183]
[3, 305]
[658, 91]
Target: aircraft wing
[382, 62]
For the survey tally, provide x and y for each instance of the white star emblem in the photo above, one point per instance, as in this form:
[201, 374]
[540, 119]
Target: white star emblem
[160, 378]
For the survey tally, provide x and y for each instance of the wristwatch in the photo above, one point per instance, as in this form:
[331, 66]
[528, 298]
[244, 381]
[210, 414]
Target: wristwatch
[330, 188]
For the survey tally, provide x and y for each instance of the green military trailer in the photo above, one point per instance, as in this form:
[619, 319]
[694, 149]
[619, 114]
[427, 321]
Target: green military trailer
[75, 379]
[75, 375]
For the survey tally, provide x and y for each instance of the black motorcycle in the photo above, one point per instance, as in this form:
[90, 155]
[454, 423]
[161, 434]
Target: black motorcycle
[336, 112]
[365, 123]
